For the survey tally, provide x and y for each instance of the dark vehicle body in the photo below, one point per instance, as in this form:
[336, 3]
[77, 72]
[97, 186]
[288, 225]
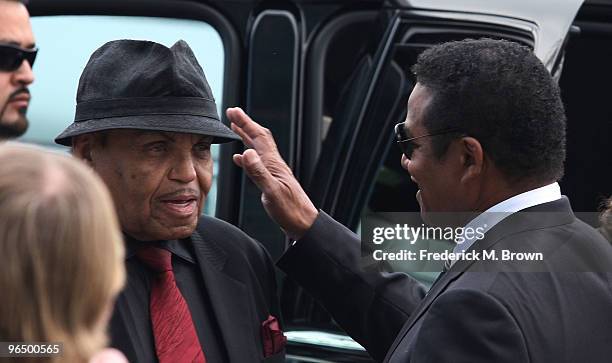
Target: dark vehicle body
[330, 78]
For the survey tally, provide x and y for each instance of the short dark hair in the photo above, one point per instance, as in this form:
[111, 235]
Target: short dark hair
[500, 93]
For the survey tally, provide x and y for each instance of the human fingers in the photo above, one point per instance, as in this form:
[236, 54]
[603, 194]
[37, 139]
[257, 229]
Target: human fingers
[251, 128]
[257, 171]
[253, 134]
[245, 138]
[237, 158]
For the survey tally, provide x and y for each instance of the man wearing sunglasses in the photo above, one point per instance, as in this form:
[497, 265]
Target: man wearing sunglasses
[484, 139]
[17, 54]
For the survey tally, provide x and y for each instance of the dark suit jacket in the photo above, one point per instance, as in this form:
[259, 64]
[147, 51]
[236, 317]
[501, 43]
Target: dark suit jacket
[483, 311]
[240, 281]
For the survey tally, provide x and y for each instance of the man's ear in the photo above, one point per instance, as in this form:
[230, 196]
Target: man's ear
[472, 157]
[82, 147]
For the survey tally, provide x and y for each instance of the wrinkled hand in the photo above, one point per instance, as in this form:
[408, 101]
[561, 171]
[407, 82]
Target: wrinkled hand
[282, 195]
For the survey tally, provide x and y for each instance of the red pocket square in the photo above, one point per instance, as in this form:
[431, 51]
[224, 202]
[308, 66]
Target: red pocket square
[273, 338]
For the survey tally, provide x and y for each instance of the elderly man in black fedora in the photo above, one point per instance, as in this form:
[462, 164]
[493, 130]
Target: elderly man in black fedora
[199, 289]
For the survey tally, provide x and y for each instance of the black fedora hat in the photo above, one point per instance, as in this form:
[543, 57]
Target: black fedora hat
[134, 84]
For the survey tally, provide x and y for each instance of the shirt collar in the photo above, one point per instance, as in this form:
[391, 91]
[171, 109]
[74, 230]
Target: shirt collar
[528, 199]
[505, 208]
[180, 248]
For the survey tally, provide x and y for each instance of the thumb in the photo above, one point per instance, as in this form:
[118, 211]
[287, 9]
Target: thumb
[257, 172]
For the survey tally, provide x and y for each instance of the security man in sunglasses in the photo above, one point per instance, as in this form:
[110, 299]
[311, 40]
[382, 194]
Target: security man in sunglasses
[17, 54]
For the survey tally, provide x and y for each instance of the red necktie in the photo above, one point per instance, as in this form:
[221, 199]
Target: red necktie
[176, 340]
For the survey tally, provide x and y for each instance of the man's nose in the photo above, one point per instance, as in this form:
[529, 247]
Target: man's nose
[183, 169]
[24, 74]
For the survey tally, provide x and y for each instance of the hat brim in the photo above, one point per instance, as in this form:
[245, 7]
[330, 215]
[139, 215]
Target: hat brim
[189, 124]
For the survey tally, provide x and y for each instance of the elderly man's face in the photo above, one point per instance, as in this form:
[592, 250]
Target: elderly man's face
[15, 29]
[158, 180]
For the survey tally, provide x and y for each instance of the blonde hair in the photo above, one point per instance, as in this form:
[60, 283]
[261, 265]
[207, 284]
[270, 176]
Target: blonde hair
[62, 252]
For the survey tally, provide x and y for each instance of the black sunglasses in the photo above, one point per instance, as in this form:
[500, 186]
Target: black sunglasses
[406, 143]
[12, 56]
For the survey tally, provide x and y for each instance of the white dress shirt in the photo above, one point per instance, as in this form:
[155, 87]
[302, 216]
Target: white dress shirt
[489, 218]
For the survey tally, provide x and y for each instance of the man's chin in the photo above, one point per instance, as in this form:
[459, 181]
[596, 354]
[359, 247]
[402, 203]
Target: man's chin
[446, 219]
[13, 128]
[171, 233]
[183, 233]
[163, 233]
[177, 232]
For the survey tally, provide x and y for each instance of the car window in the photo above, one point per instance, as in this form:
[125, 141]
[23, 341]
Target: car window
[66, 43]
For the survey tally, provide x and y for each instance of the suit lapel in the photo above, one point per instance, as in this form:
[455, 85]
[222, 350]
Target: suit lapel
[549, 214]
[124, 331]
[435, 290]
[227, 296]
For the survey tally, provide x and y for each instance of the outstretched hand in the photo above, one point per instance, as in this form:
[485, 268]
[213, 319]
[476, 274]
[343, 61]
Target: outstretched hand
[282, 195]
